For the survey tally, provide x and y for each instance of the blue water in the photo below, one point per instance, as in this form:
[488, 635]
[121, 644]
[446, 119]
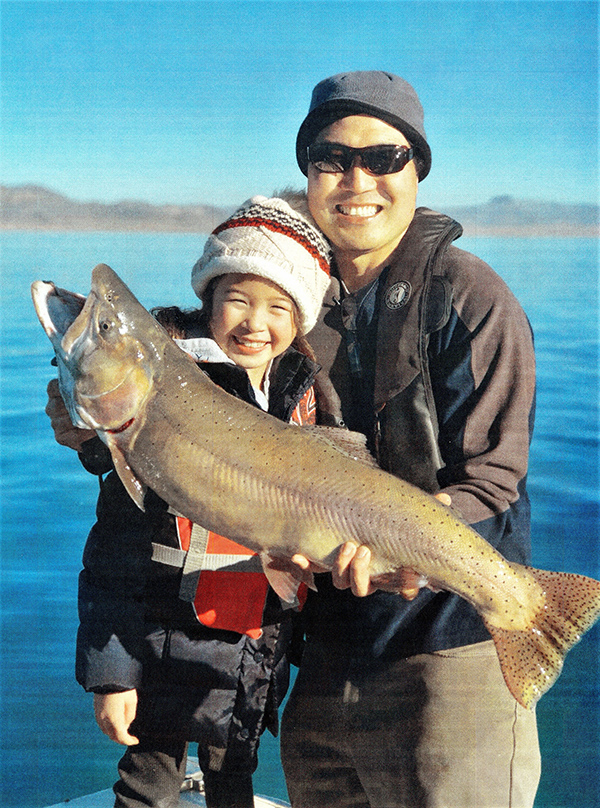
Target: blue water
[51, 747]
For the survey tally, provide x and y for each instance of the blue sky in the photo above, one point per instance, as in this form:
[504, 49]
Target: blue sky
[200, 101]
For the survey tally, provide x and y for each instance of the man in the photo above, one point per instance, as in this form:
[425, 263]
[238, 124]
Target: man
[401, 702]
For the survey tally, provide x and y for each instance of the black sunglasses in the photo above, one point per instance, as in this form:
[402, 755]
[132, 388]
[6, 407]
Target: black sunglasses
[334, 158]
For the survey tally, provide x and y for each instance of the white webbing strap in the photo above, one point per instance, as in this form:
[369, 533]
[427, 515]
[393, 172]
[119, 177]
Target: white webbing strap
[172, 556]
[196, 559]
[194, 563]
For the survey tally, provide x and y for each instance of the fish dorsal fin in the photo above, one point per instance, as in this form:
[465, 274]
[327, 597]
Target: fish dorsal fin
[134, 487]
[351, 444]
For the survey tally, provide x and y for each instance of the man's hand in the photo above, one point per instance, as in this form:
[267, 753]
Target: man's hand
[114, 713]
[64, 432]
[351, 570]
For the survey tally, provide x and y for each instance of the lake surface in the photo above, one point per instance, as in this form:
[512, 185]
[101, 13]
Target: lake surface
[51, 747]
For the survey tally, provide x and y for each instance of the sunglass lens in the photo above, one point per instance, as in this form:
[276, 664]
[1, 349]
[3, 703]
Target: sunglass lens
[329, 157]
[333, 158]
[385, 159]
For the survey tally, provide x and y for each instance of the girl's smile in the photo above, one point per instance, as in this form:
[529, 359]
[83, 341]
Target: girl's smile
[253, 321]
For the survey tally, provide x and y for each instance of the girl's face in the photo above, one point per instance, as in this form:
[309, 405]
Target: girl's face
[252, 321]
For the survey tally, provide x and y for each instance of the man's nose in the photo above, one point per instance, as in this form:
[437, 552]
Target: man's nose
[357, 179]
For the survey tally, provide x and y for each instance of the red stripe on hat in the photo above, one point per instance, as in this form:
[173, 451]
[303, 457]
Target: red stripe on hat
[276, 227]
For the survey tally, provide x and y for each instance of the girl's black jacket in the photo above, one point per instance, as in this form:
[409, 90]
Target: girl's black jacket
[194, 683]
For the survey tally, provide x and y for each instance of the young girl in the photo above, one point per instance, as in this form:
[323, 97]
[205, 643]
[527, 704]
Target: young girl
[181, 639]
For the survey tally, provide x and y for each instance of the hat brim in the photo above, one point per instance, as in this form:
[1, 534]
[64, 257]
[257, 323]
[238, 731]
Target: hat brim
[331, 111]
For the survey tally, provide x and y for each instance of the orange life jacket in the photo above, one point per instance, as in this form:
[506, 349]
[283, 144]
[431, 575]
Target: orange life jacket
[222, 579]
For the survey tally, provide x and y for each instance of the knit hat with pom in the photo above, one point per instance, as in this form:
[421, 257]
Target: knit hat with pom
[273, 240]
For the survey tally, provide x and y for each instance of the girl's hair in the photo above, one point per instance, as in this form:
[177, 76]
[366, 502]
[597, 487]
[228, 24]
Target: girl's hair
[178, 323]
[181, 324]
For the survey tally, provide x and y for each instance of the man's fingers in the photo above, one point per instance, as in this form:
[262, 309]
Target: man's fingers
[360, 579]
[351, 570]
[340, 573]
[306, 565]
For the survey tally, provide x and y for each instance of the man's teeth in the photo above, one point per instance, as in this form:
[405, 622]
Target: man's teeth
[358, 210]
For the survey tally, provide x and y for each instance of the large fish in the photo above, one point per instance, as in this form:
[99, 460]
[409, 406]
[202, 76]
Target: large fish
[280, 489]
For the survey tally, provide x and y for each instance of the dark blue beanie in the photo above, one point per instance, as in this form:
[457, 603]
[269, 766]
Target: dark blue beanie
[366, 92]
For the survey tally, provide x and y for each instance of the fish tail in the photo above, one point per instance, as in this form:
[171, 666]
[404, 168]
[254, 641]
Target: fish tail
[532, 659]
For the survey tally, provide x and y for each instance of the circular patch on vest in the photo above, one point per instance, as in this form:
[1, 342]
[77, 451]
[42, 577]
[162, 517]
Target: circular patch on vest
[398, 295]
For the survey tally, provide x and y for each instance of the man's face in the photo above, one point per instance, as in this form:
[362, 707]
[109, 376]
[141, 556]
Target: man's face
[362, 214]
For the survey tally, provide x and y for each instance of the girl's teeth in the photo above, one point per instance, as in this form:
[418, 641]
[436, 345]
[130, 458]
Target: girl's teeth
[248, 344]
[362, 210]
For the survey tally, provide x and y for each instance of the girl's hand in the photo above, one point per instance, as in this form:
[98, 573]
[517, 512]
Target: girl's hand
[64, 432]
[114, 713]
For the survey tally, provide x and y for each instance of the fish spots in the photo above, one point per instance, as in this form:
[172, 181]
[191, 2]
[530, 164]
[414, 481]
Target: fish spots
[291, 485]
[532, 659]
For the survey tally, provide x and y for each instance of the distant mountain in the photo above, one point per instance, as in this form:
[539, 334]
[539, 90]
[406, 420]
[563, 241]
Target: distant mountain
[506, 216]
[30, 207]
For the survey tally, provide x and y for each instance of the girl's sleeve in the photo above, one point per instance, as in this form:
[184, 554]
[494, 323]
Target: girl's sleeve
[111, 586]
[95, 457]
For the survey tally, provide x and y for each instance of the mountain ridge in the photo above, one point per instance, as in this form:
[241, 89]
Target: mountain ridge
[34, 207]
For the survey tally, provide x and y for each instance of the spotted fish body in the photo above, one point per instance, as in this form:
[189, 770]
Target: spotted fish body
[280, 490]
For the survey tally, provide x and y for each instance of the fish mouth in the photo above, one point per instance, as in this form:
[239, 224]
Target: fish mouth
[57, 308]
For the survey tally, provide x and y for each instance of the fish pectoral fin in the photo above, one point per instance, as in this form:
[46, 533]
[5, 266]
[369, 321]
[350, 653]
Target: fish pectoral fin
[351, 444]
[532, 659]
[284, 582]
[134, 487]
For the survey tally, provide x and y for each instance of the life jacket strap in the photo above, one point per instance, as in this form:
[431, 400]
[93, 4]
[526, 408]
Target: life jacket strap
[195, 560]
[172, 556]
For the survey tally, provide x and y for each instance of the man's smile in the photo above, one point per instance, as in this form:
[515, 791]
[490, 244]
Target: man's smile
[359, 211]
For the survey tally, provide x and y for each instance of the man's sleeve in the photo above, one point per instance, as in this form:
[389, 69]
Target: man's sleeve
[483, 374]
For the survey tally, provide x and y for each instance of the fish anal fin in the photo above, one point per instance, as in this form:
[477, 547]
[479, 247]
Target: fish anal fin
[134, 487]
[532, 660]
[286, 583]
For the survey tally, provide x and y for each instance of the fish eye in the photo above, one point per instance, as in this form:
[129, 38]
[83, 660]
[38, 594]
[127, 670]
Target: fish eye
[105, 325]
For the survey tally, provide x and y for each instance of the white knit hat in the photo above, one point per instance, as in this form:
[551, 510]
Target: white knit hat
[271, 239]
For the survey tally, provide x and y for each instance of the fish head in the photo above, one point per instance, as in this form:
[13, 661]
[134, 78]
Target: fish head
[104, 347]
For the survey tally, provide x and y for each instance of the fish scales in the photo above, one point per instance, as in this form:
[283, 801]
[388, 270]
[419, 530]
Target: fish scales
[281, 489]
[236, 455]
[371, 510]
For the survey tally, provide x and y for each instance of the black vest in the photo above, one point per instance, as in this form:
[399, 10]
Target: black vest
[415, 302]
